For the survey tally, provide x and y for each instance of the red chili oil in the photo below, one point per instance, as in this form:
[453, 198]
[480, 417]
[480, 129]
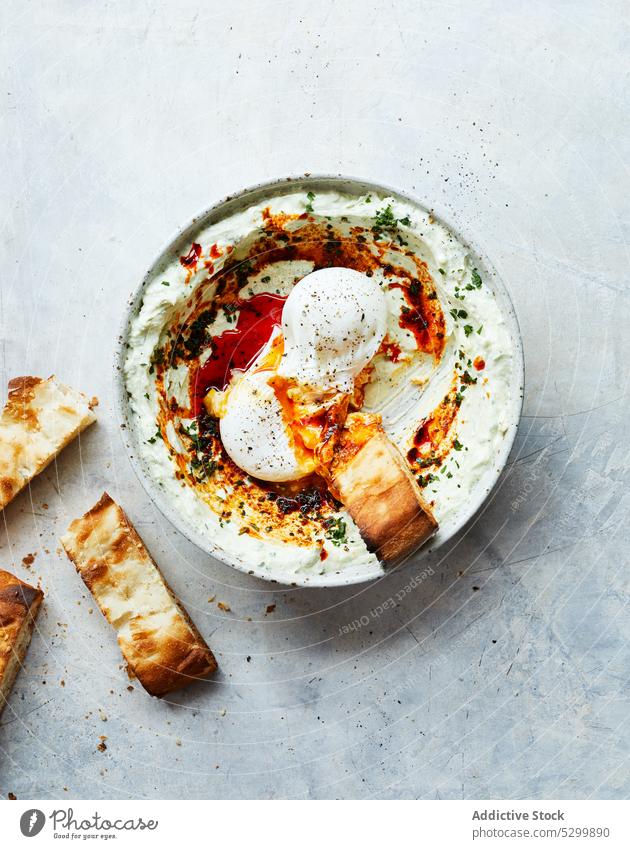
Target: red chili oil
[191, 258]
[238, 348]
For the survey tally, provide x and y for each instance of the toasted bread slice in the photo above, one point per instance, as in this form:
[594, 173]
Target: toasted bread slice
[39, 419]
[378, 490]
[159, 642]
[19, 605]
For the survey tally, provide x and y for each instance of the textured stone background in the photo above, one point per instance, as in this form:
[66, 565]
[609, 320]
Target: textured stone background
[505, 674]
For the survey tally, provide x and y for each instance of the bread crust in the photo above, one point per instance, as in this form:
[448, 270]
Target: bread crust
[19, 606]
[383, 498]
[161, 645]
[39, 419]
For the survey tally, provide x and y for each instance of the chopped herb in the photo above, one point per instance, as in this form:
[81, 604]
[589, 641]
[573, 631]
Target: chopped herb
[480, 329]
[414, 288]
[165, 283]
[311, 198]
[189, 432]
[405, 221]
[468, 329]
[457, 445]
[336, 530]
[427, 461]
[153, 439]
[203, 468]
[476, 279]
[442, 272]
[229, 310]
[459, 314]
[425, 480]
[368, 199]
[385, 219]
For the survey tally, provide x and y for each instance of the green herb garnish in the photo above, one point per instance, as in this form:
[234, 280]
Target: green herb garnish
[336, 530]
[384, 219]
[229, 310]
[459, 314]
[153, 439]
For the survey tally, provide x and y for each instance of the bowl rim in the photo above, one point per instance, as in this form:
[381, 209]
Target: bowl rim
[240, 200]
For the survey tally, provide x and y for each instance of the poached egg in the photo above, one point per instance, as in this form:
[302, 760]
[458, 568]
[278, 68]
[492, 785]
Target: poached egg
[333, 323]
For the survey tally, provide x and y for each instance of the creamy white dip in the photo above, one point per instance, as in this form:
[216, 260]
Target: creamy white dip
[476, 330]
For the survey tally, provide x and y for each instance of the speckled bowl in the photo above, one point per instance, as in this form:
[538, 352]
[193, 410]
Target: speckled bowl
[240, 201]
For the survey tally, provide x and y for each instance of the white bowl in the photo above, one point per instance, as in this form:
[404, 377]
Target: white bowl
[241, 201]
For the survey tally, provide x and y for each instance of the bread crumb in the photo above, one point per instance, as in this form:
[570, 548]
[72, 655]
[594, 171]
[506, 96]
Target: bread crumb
[270, 608]
[224, 606]
[28, 560]
[178, 742]
[101, 746]
[102, 715]
[211, 599]
[222, 711]
[12, 796]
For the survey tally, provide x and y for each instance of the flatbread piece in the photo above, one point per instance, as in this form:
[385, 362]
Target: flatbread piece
[19, 606]
[161, 645]
[39, 419]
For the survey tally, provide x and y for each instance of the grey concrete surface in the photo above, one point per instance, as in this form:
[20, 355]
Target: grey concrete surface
[504, 673]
